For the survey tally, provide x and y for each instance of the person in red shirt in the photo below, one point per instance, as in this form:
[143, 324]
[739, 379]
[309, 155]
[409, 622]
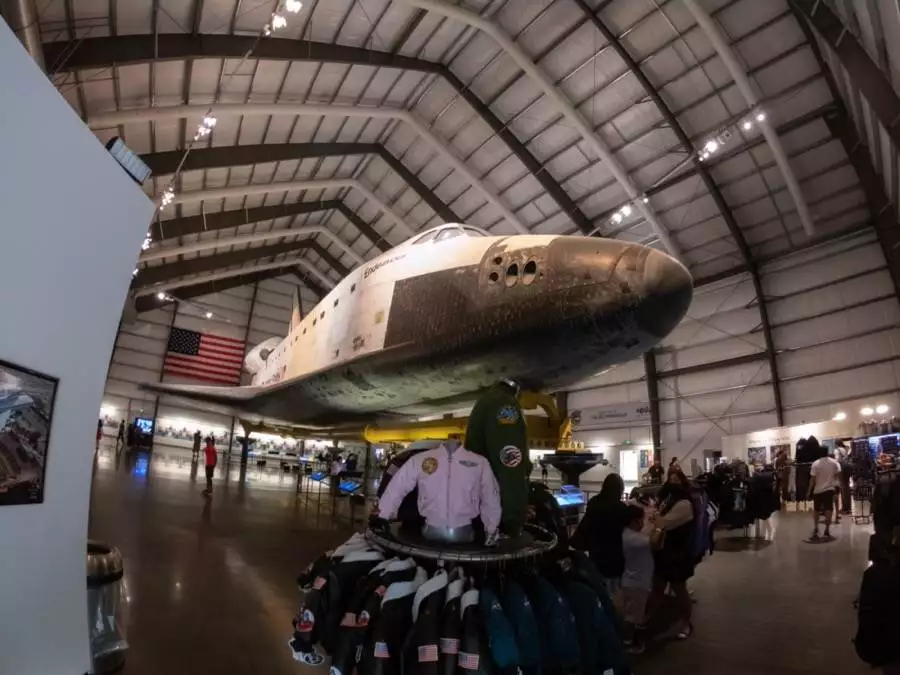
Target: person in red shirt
[211, 458]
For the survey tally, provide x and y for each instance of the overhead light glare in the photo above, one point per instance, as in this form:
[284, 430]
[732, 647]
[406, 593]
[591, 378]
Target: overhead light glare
[160, 296]
[840, 417]
[626, 210]
[760, 116]
[866, 412]
[209, 315]
[267, 30]
[134, 273]
[616, 218]
[747, 125]
[881, 408]
[293, 6]
[711, 146]
[646, 199]
[278, 21]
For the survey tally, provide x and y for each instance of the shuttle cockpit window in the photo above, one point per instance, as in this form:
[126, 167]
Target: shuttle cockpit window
[447, 231]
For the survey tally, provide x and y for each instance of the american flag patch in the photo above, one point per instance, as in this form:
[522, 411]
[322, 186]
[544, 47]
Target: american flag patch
[349, 619]
[428, 653]
[380, 591]
[319, 583]
[449, 646]
[468, 661]
[381, 650]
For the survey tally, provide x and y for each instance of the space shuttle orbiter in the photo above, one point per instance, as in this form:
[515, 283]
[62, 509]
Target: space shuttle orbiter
[448, 313]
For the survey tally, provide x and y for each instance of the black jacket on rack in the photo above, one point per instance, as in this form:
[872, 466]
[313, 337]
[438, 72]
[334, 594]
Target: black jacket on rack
[451, 627]
[474, 653]
[421, 653]
[382, 653]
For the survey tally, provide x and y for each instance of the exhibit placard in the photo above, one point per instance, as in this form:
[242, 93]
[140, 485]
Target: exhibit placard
[611, 416]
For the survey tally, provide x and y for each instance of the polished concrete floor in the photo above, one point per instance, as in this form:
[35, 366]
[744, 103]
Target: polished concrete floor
[211, 587]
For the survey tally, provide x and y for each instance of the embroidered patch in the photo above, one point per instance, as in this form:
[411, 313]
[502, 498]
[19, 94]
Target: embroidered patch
[469, 463]
[363, 619]
[319, 583]
[429, 465]
[428, 653]
[449, 646]
[381, 650]
[510, 456]
[349, 619]
[508, 414]
[380, 591]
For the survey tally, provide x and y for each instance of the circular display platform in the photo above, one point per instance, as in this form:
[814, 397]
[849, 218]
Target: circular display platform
[533, 542]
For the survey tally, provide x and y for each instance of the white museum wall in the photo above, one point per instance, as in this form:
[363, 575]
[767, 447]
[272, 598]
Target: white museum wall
[75, 222]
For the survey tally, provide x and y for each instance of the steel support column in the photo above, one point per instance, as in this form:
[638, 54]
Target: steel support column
[22, 17]
[163, 163]
[864, 73]
[708, 182]
[653, 398]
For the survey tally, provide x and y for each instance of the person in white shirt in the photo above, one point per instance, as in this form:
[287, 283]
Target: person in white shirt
[637, 578]
[824, 481]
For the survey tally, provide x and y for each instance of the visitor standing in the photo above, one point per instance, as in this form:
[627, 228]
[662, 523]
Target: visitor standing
[120, 437]
[195, 451]
[824, 479]
[211, 459]
[600, 531]
[637, 578]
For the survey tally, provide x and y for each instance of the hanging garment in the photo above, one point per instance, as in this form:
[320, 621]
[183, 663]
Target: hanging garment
[355, 543]
[451, 625]
[363, 609]
[421, 655]
[501, 636]
[455, 487]
[560, 647]
[319, 616]
[497, 431]
[381, 654]
[525, 627]
[701, 539]
[474, 656]
[792, 483]
[802, 482]
[601, 645]
[584, 571]
[408, 511]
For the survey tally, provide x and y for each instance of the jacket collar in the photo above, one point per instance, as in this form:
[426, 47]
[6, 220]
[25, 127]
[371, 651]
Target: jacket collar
[433, 585]
[402, 589]
[469, 598]
[393, 565]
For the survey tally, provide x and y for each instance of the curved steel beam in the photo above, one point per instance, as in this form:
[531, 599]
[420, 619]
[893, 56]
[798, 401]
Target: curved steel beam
[220, 220]
[159, 252]
[150, 302]
[290, 262]
[739, 75]
[719, 199]
[562, 105]
[105, 52]
[865, 73]
[287, 186]
[162, 163]
[293, 109]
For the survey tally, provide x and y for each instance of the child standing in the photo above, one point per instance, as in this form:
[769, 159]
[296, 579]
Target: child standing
[637, 579]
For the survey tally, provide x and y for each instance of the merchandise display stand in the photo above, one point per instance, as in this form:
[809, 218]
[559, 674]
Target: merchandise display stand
[862, 502]
[533, 542]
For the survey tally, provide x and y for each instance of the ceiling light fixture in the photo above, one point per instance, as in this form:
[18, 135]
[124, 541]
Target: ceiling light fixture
[711, 146]
[160, 296]
[840, 417]
[645, 199]
[278, 21]
[626, 210]
[616, 218]
[293, 6]
[881, 408]
[760, 116]
[209, 315]
[747, 125]
[866, 412]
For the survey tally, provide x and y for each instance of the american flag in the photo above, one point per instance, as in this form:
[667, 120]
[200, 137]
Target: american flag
[428, 653]
[203, 356]
[381, 650]
[468, 661]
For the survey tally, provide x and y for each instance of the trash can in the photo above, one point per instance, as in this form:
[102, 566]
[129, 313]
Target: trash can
[105, 584]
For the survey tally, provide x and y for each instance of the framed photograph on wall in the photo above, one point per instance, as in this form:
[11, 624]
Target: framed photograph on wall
[26, 415]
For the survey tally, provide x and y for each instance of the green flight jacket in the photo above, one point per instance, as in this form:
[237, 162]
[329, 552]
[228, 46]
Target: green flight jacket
[497, 431]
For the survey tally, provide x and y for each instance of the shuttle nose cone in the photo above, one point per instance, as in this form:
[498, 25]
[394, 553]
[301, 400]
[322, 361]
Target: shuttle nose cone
[667, 288]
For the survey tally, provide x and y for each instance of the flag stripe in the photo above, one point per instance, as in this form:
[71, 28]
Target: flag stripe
[221, 338]
[202, 368]
[230, 354]
[205, 361]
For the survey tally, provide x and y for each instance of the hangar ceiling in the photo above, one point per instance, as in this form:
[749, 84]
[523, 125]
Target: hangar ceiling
[363, 121]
